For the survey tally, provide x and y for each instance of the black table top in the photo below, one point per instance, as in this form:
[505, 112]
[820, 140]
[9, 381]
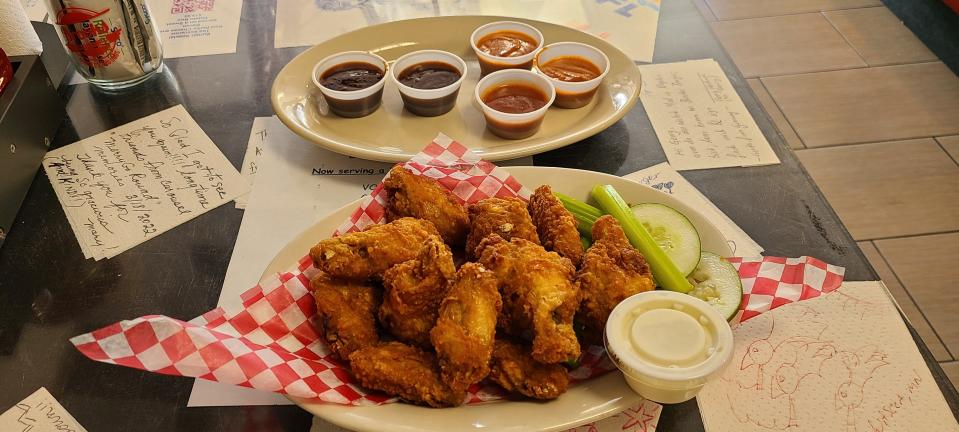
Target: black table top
[49, 292]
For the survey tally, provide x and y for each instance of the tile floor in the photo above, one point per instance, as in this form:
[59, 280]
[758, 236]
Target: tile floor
[874, 117]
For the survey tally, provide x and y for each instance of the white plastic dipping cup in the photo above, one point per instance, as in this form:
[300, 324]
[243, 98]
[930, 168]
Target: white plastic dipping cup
[573, 94]
[428, 102]
[490, 63]
[351, 103]
[668, 344]
[510, 125]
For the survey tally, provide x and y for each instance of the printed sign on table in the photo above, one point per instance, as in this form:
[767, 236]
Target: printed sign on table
[630, 25]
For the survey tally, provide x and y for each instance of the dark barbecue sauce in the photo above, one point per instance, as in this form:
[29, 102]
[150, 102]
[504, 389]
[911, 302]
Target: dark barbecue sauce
[351, 76]
[429, 75]
[515, 98]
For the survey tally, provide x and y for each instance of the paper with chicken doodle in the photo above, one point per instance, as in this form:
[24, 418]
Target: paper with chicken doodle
[840, 362]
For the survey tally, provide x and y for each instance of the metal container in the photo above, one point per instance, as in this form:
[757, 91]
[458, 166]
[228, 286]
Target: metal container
[113, 43]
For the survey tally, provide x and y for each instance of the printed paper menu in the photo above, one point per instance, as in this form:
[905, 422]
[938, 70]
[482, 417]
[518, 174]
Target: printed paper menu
[39, 412]
[197, 27]
[699, 119]
[132, 183]
[841, 362]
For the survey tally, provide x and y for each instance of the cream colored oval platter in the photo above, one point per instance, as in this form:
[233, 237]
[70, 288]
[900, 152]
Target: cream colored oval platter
[585, 402]
[392, 134]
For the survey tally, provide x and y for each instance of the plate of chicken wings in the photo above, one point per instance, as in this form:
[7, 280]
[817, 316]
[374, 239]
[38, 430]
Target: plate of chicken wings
[503, 292]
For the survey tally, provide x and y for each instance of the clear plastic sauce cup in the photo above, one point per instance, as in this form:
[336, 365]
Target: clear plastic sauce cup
[573, 94]
[514, 125]
[428, 102]
[490, 63]
[668, 344]
[351, 103]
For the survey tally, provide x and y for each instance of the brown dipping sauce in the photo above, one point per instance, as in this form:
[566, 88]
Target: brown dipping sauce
[429, 75]
[570, 69]
[351, 76]
[506, 44]
[515, 98]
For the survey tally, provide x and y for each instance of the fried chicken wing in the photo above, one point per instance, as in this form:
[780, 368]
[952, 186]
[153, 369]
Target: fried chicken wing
[463, 335]
[506, 217]
[364, 254]
[555, 225]
[414, 290]
[423, 197]
[405, 371]
[515, 370]
[539, 295]
[612, 270]
[346, 311]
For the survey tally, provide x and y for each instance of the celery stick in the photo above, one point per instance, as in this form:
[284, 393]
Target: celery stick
[663, 269]
[584, 214]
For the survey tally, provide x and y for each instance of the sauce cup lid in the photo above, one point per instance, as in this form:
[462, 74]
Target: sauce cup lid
[669, 339]
[513, 76]
[415, 57]
[513, 26]
[349, 57]
[592, 54]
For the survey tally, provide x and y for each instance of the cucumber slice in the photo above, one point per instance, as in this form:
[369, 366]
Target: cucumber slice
[674, 234]
[716, 282]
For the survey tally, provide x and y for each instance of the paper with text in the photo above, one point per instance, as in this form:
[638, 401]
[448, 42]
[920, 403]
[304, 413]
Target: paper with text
[132, 183]
[844, 361]
[699, 119]
[197, 27]
[39, 412]
[630, 25]
[663, 178]
[252, 156]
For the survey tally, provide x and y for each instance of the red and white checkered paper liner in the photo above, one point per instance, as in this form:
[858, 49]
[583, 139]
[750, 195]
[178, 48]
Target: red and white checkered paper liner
[270, 342]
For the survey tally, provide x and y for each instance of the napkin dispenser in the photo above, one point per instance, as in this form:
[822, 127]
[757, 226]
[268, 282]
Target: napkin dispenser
[31, 111]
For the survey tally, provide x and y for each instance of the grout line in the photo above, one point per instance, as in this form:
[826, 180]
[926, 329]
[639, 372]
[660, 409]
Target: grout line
[943, 147]
[793, 13]
[852, 68]
[844, 38]
[899, 237]
[866, 66]
[783, 113]
[911, 298]
[859, 143]
[709, 7]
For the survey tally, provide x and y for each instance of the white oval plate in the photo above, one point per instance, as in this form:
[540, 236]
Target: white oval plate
[585, 402]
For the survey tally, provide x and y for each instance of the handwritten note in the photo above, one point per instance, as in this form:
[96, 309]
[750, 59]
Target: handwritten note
[197, 27]
[841, 362]
[254, 152]
[39, 412]
[699, 119]
[132, 183]
[663, 178]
